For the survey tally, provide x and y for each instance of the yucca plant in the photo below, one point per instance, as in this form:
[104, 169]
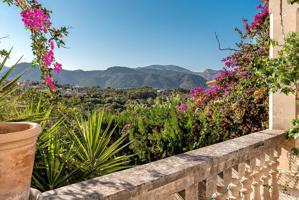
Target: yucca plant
[50, 170]
[29, 110]
[11, 108]
[7, 87]
[93, 152]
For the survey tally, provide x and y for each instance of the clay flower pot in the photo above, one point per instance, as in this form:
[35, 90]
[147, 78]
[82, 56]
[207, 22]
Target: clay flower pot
[17, 151]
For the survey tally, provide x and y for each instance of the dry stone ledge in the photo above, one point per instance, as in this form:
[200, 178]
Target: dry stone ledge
[180, 174]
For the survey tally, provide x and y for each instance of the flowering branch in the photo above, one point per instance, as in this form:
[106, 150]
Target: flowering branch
[44, 37]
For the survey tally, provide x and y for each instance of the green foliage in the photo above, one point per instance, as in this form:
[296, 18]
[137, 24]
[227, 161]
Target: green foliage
[157, 131]
[161, 130]
[27, 111]
[293, 1]
[86, 151]
[6, 87]
[294, 131]
[50, 170]
[92, 151]
[117, 100]
[281, 74]
[76, 145]
[243, 111]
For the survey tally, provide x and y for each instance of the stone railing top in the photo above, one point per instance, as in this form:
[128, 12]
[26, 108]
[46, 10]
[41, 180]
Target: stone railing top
[199, 163]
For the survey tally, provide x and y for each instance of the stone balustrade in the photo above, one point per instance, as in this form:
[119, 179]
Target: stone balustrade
[242, 168]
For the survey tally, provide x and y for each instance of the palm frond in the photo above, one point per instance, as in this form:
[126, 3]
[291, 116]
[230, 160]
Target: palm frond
[94, 152]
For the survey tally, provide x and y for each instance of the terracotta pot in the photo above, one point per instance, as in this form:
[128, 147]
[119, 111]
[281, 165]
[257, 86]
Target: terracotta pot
[17, 151]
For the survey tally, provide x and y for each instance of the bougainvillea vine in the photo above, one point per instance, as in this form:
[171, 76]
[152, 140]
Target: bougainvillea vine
[44, 35]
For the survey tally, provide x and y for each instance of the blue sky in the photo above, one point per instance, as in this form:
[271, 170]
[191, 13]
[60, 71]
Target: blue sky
[135, 33]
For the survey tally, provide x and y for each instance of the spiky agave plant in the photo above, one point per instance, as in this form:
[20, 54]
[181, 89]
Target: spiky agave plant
[50, 169]
[11, 110]
[93, 151]
[6, 87]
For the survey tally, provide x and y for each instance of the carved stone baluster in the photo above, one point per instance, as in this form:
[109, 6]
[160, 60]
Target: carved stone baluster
[224, 189]
[248, 179]
[191, 193]
[227, 179]
[236, 185]
[257, 174]
[265, 167]
[221, 195]
[211, 187]
[274, 173]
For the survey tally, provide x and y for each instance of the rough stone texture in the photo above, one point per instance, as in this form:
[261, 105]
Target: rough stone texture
[161, 179]
[289, 163]
[282, 108]
[284, 196]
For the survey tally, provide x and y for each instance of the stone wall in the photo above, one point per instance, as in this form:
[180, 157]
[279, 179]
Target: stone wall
[232, 169]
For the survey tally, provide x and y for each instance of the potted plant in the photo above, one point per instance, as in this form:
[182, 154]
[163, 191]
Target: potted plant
[18, 139]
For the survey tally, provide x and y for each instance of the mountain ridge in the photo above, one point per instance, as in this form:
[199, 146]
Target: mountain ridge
[156, 76]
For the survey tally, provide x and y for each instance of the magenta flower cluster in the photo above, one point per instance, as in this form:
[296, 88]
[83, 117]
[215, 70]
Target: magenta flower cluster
[36, 19]
[182, 107]
[48, 60]
[199, 92]
[196, 91]
[236, 68]
[49, 81]
[213, 90]
[258, 18]
[229, 62]
[224, 74]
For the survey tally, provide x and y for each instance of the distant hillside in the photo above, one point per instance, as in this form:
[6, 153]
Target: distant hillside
[209, 74]
[156, 76]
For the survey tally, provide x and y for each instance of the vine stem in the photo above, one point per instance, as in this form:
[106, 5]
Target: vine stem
[223, 49]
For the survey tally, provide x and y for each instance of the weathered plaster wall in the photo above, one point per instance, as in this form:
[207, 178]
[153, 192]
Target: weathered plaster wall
[282, 108]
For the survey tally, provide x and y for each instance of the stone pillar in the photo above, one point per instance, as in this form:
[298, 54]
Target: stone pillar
[282, 108]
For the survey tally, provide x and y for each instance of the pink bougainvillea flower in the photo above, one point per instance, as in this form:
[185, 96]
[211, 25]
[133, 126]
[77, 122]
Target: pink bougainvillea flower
[196, 91]
[36, 19]
[259, 6]
[212, 91]
[260, 50]
[244, 73]
[57, 67]
[182, 108]
[49, 82]
[48, 58]
[51, 44]
[223, 74]
[228, 63]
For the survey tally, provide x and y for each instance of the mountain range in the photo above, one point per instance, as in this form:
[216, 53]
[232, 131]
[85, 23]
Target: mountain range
[156, 76]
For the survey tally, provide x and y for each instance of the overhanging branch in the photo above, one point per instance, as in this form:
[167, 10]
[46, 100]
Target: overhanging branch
[223, 49]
